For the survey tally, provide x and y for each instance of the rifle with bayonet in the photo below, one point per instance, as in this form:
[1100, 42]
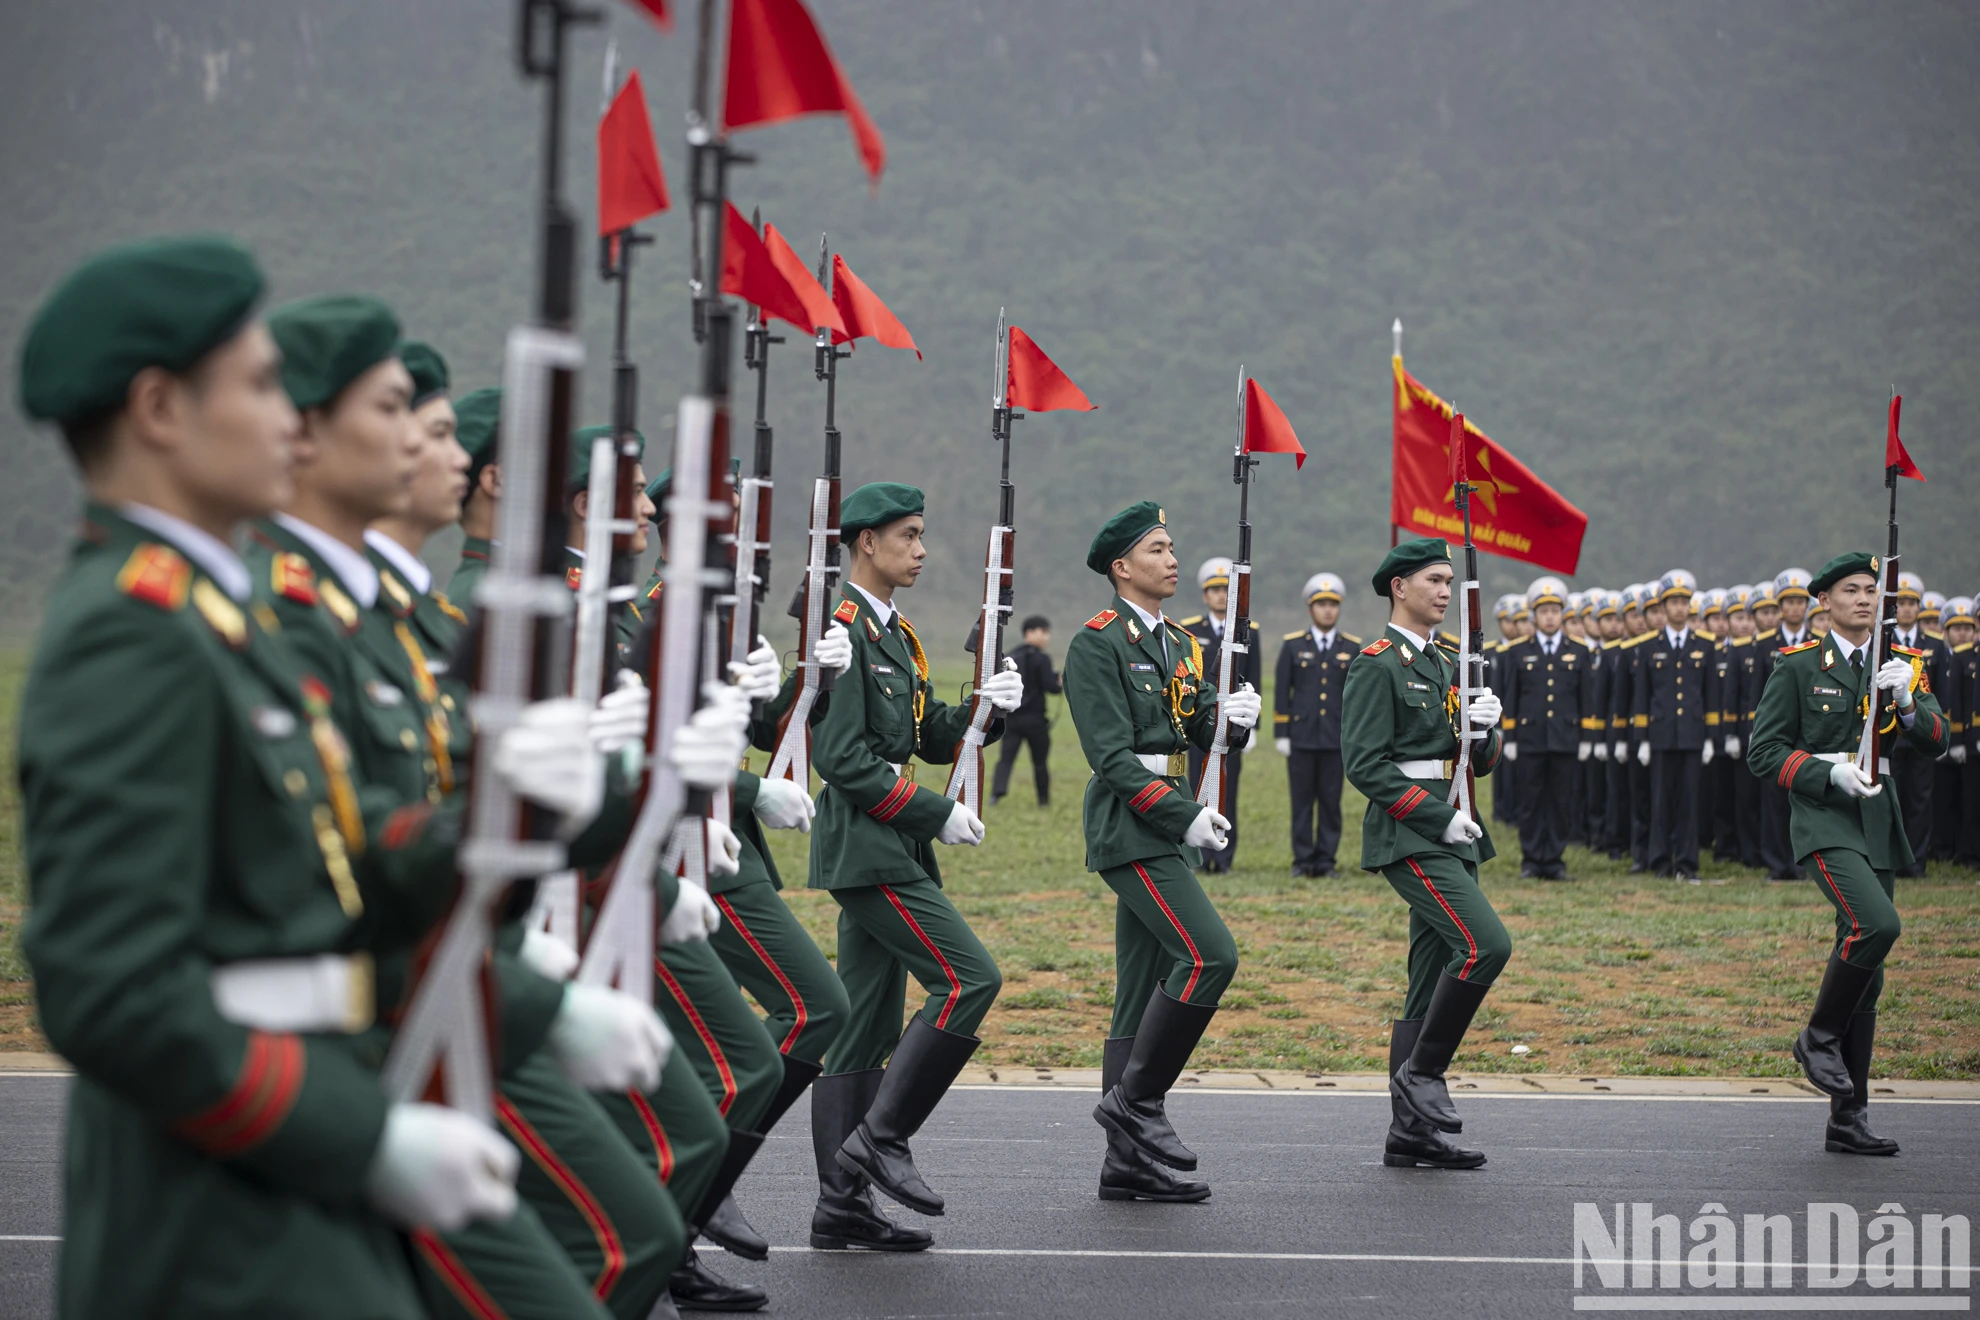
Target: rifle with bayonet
[1471, 638]
[1870, 756]
[1212, 786]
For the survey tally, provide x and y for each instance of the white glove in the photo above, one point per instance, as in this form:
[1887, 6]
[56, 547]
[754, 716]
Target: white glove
[1485, 709]
[546, 955]
[1244, 706]
[605, 1040]
[1895, 676]
[708, 750]
[436, 1167]
[759, 676]
[1958, 753]
[1733, 749]
[694, 916]
[619, 719]
[1852, 782]
[962, 826]
[1283, 746]
[1207, 831]
[1005, 690]
[1584, 751]
[835, 649]
[1643, 754]
[1462, 829]
[1622, 751]
[1601, 751]
[782, 805]
[1705, 753]
[548, 757]
[1510, 749]
[724, 850]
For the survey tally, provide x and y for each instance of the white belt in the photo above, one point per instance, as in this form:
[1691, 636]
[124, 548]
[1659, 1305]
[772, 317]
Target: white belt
[895, 768]
[1848, 758]
[1173, 765]
[1427, 769]
[323, 993]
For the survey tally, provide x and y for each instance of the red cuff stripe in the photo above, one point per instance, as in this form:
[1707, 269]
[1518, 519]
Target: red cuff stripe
[897, 798]
[1149, 796]
[263, 1093]
[1411, 799]
[279, 1098]
[1790, 766]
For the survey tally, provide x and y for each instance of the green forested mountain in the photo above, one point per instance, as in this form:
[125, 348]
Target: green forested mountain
[1672, 255]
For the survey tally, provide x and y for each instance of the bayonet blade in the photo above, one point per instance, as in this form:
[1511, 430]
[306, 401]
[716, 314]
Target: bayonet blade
[1000, 383]
[611, 75]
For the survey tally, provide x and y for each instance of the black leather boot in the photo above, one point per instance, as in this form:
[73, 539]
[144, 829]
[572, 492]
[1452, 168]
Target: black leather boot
[1849, 1120]
[664, 1309]
[695, 1287]
[1819, 1047]
[1133, 1107]
[1419, 1083]
[1125, 1173]
[1411, 1140]
[924, 1065]
[718, 1218]
[847, 1215]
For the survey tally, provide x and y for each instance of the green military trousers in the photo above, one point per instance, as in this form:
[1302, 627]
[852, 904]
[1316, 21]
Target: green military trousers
[1867, 922]
[1168, 933]
[513, 1269]
[766, 949]
[717, 1032]
[676, 1130]
[888, 931]
[1452, 927]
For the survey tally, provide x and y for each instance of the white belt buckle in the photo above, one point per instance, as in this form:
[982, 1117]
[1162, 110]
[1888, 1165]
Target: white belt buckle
[324, 993]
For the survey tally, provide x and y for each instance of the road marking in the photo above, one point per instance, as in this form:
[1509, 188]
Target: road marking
[1469, 1096]
[27, 1237]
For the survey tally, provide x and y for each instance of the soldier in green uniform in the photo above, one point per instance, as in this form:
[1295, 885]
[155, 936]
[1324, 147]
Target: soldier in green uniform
[1847, 830]
[1398, 742]
[870, 846]
[202, 864]
[1136, 689]
[478, 424]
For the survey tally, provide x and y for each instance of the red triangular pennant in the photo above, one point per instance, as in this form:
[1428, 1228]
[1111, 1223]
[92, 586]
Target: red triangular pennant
[658, 10]
[1894, 455]
[866, 317]
[750, 272]
[780, 67]
[1037, 384]
[631, 185]
[818, 308]
[1266, 430]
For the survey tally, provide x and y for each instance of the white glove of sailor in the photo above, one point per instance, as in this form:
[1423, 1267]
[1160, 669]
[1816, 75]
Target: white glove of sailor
[1705, 752]
[1486, 709]
[1584, 751]
[548, 956]
[707, 751]
[436, 1167]
[694, 916]
[835, 649]
[1958, 753]
[1462, 829]
[548, 757]
[1733, 748]
[724, 849]
[1208, 830]
[1244, 706]
[760, 676]
[782, 805]
[1851, 782]
[962, 826]
[1601, 751]
[1283, 746]
[1894, 676]
[619, 719]
[605, 1040]
[1005, 690]
[1510, 750]
[1622, 751]
[1643, 754]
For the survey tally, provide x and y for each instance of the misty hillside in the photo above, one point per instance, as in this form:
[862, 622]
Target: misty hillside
[1672, 255]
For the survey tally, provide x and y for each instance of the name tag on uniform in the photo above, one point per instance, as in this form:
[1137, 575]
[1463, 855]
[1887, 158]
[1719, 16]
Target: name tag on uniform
[1138, 665]
[1343, 657]
[273, 721]
[1697, 655]
[383, 694]
[1827, 692]
[881, 669]
[1418, 687]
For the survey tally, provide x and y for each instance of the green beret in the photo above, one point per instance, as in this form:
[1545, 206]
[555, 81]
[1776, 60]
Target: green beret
[578, 468]
[1842, 566]
[875, 505]
[163, 302]
[428, 368]
[1122, 533]
[330, 341]
[477, 423]
[1411, 557]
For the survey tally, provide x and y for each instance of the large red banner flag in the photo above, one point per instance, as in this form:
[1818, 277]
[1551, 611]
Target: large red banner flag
[1894, 452]
[631, 186]
[780, 68]
[865, 316]
[818, 308]
[1266, 430]
[750, 273]
[1037, 384]
[1513, 512]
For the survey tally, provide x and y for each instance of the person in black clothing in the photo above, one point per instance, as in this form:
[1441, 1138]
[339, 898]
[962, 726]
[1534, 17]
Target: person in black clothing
[1306, 724]
[1676, 688]
[1208, 627]
[1026, 726]
[1781, 620]
[1547, 686]
[1913, 771]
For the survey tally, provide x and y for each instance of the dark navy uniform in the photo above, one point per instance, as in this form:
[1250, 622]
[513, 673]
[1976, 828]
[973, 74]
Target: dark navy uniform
[1912, 769]
[1741, 701]
[1545, 686]
[1306, 703]
[1966, 736]
[1674, 694]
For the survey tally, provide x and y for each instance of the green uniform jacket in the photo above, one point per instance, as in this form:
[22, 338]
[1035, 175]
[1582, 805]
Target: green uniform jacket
[173, 788]
[475, 552]
[1128, 699]
[874, 826]
[1812, 704]
[1397, 705]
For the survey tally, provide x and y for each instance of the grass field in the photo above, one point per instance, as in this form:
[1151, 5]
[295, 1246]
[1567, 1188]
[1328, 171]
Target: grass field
[1610, 974]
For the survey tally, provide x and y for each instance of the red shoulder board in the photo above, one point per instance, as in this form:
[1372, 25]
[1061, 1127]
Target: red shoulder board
[1102, 619]
[157, 574]
[292, 578]
[847, 611]
[1808, 645]
[654, 592]
[1376, 647]
[572, 576]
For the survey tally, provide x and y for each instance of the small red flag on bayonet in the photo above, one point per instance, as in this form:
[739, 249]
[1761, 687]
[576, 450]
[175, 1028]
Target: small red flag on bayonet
[750, 273]
[1266, 430]
[865, 316]
[631, 185]
[1037, 384]
[818, 308]
[780, 68]
[1894, 455]
[1456, 448]
[657, 10]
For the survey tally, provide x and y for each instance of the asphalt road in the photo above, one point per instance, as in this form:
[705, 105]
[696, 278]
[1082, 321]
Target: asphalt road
[1305, 1221]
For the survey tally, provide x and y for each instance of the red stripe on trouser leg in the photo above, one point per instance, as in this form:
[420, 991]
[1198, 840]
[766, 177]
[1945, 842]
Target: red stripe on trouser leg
[955, 986]
[701, 1030]
[1471, 945]
[574, 1191]
[1855, 927]
[663, 1149]
[467, 1290]
[1195, 958]
[763, 955]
